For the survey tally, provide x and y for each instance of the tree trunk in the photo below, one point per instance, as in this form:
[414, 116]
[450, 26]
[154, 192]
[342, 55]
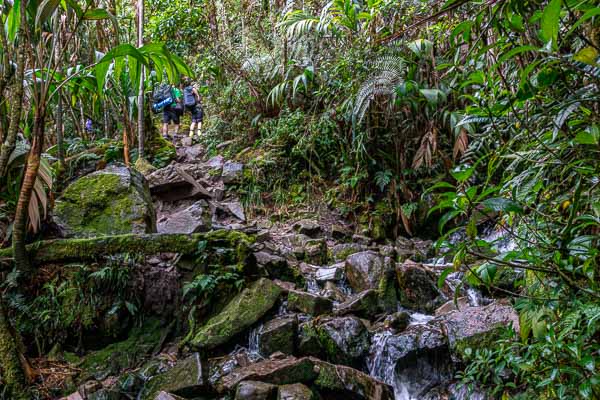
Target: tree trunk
[33, 163]
[59, 104]
[61, 250]
[140, 105]
[17, 105]
[10, 360]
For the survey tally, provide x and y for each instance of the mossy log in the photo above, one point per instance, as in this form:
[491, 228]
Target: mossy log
[60, 250]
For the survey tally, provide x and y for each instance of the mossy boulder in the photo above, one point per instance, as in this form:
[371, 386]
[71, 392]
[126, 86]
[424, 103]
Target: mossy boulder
[113, 201]
[278, 334]
[238, 315]
[122, 355]
[295, 391]
[184, 379]
[308, 303]
[417, 289]
[341, 340]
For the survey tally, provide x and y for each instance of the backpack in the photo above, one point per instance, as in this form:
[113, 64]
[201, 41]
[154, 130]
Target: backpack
[189, 100]
[162, 96]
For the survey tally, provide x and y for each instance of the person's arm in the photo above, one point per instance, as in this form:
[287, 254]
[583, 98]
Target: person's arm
[196, 94]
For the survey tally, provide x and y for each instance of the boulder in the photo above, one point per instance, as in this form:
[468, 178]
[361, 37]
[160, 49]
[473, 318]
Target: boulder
[232, 171]
[277, 267]
[183, 379]
[216, 163]
[240, 313]
[113, 201]
[193, 219]
[275, 371]
[452, 305]
[363, 304]
[308, 303]
[342, 251]
[332, 378]
[478, 327]
[343, 340]
[340, 232]
[278, 334]
[397, 322]
[235, 208]
[190, 154]
[416, 288]
[296, 391]
[308, 227]
[255, 390]
[365, 270]
[315, 251]
[181, 181]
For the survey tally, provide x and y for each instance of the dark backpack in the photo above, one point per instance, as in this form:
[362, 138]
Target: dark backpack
[189, 100]
[161, 93]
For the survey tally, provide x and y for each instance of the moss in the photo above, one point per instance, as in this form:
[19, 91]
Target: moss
[160, 151]
[126, 354]
[328, 378]
[241, 312]
[101, 204]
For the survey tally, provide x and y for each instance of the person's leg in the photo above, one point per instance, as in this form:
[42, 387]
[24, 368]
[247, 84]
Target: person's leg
[192, 129]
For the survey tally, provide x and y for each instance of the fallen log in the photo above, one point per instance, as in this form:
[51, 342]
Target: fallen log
[60, 250]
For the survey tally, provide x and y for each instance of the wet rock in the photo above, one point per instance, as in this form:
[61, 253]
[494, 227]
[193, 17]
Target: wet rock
[477, 327]
[240, 313]
[363, 304]
[308, 303]
[331, 291]
[417, 289]
[333, 378]
[344, 340]
[296, 391]
[332, 273]
[364, 270]
[452, 305]
[285, 286]
[279, 372]
[113, 201]
[193, 219]
[308, 227]
[254, 390]
[161, 289]
[180, 181]
[397, 322]
[184, 379]
[278, 335]
[341, 251]
[387, 251]
[416, 342]
[232, 171]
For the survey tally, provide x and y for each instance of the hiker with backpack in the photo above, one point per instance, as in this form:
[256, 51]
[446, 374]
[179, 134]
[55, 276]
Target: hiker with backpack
[168, 100]
[191, 102]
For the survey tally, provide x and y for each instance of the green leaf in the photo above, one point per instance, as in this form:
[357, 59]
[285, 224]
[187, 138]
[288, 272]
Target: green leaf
[45, 9]
[587, 137]
[462, 173]
[502, 204]
[550, 22]
[443, 276]
[13, 21]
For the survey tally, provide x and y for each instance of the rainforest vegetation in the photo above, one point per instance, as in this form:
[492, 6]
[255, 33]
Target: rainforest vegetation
[388, 199]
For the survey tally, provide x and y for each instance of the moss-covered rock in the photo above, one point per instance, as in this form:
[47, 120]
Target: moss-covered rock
[108, 202]
[278, 334]
[416, 288]
[160, 151]
[239, 314]
[184, 379]
[295, 391]
[308, 303]
[122, 355]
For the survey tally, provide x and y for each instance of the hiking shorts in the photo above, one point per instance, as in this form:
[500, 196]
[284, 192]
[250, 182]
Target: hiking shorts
[196, 111]
[170, 114]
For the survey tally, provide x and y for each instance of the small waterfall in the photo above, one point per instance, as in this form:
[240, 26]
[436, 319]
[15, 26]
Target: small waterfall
[254, 340]
[312, 286]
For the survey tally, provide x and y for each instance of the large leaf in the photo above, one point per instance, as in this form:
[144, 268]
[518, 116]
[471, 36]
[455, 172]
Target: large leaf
[45, 9]
[502, 204]
[550, 22]
[13, 21]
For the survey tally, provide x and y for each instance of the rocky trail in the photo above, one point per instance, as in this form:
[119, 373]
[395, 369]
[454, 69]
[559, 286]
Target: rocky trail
[324, 312]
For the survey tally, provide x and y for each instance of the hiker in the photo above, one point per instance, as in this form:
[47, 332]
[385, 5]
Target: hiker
[171, 113]
[191, 102]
